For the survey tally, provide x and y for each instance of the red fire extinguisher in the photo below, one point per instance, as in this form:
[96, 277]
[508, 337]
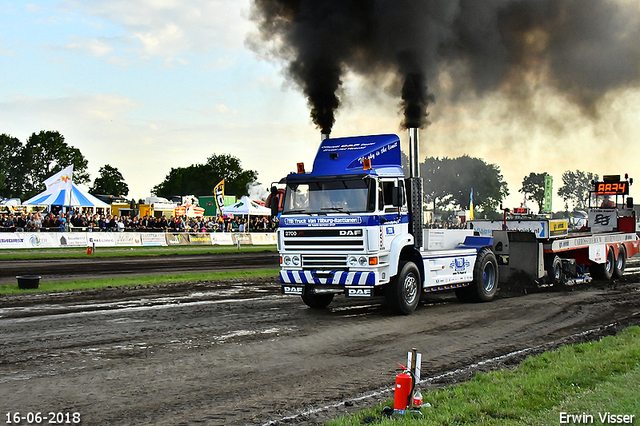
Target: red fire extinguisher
[404, 387]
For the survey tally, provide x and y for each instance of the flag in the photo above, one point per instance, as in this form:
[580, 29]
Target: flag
[218, 194]
[471, 205]
[64, 177]
[62, 182]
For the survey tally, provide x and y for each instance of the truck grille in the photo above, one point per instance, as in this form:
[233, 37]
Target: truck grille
[320, 262]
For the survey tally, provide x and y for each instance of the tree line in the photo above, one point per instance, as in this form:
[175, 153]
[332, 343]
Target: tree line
[447, 182]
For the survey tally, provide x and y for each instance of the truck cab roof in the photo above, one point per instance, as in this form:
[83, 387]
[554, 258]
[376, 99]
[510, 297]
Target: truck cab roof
[345, 156]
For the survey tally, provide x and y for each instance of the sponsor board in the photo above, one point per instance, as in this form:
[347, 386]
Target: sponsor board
[221, 239]
[102, 239]
[128, 239]
[199, 239]
[72, 239]
[11, 241]
[177, 239]
[39, 239]
[153, 239]
[263, 238]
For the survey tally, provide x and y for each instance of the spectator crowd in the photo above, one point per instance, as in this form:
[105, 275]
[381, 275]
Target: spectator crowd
[93, 222]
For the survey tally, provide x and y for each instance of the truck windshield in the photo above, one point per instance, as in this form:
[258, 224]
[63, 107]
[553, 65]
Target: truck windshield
[331, 196]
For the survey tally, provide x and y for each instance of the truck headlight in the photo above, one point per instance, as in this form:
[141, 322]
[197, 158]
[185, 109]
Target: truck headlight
[295, 260]
[287, 260]
[352, 261]
[363, 261]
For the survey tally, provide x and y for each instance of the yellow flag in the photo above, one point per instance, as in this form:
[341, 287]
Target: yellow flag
[218, 194]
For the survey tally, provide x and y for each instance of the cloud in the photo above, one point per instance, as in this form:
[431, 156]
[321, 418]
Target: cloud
[92, 46]
[167, 28]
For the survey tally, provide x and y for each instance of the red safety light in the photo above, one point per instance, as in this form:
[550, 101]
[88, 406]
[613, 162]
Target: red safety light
[300, 167]
[366, 164]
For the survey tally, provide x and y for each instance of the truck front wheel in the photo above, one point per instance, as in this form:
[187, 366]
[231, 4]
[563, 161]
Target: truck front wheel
[317, 301]
[485, 279]
[403, 292]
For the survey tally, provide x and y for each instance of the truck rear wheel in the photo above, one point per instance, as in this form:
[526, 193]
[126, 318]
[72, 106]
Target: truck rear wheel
[604, 271]
[317, 301]
[621, 262]
[484, 286]
[403, 292]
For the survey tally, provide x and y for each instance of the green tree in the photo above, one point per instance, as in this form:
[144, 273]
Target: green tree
[200, 179]
[110, 182]
[451, 180]
[10, 176]
[533, 188]
[44, 154]
[575, 188]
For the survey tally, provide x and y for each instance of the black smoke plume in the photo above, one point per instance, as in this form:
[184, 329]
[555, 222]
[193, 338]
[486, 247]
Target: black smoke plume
[582, 48]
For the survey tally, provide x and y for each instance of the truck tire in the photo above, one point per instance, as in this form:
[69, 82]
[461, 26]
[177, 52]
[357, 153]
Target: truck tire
[604, 271]
[621, 262]
[403, 292]
[317, 301]
[485, 279]
[554, 270]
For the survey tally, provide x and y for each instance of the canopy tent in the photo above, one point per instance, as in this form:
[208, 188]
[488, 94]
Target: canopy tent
[58, 196]
[246, 206]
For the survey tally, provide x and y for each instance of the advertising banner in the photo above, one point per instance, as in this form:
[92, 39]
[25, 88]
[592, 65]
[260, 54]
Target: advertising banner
[153, 239]
[128, 239]
[199, 239]
[221, 239]
[72, 239]
[101, 239]
[177, 239]
[263, 238]
[10, 240]
[40, 239]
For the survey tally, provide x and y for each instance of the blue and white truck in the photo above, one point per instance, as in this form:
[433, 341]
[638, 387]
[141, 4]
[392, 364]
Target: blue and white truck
[353, 226]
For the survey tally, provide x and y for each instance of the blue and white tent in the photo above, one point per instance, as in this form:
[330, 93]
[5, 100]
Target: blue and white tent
[61, 191]
[59, 196]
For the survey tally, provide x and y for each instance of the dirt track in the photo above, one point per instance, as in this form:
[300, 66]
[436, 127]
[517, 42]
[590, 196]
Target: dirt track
[237, 353]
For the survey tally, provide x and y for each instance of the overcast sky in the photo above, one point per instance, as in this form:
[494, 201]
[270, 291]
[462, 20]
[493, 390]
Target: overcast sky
[148, 85]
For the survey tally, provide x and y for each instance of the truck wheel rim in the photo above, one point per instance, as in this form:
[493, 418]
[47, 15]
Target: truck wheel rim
[410, 289]
[609, 264]
[489, 277]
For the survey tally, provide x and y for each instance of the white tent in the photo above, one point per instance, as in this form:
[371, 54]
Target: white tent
[61, 191]
[246, 206]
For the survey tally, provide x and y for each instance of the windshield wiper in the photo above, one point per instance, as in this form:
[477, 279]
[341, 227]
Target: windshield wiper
[295, 211]
[336, 209]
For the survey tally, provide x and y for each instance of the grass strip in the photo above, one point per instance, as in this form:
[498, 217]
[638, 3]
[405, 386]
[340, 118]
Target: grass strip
[79, 252]
[587, 380]
[147, 280]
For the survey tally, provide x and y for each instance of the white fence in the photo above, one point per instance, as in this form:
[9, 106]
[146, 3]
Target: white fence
[21, 240]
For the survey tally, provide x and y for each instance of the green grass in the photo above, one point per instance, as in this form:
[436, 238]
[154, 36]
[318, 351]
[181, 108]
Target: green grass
[76, 252]
[139, 281]
[590, 378]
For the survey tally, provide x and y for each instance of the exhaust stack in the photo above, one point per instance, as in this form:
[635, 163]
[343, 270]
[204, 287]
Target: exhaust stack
[324, 136]
[414, 153]
[414, 183]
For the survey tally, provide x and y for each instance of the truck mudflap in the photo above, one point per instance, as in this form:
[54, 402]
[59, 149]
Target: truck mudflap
[329, 277]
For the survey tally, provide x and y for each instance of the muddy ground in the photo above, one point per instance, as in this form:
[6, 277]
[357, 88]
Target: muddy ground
[238, 352]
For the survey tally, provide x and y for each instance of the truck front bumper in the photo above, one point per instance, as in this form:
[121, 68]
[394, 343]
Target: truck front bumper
[364, 278]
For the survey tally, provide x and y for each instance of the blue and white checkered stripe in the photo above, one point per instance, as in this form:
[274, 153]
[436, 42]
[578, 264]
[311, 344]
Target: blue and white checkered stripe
[339, 277]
